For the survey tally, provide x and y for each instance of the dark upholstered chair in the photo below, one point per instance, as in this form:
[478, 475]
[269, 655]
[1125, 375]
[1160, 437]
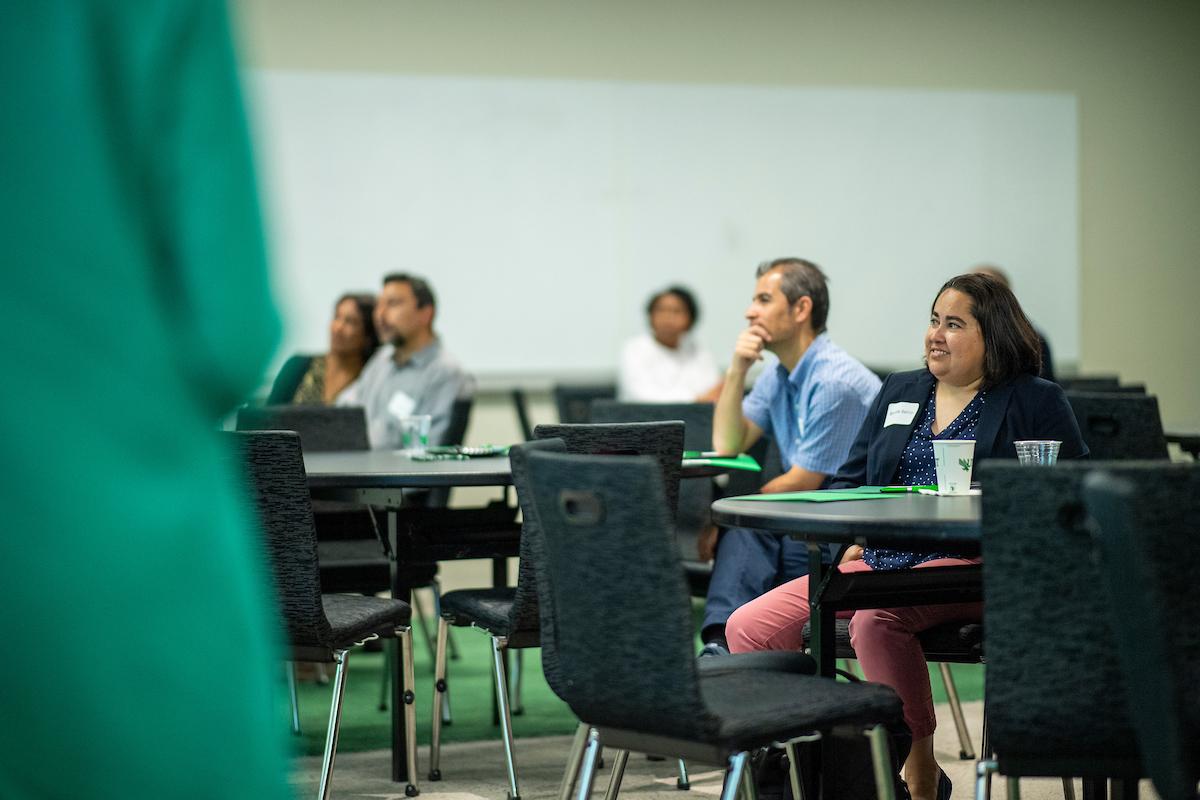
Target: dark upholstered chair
[1144, 535]
[456, 432]
[510, 615]
[353, 551]
[617, 628]
[696, 417]
[695, 494]
[320, 627]
[1119, 426]
[1054, 681]
[1091, 383]
[662, 439]
[521, 407]
[574, 401]
[321, 428]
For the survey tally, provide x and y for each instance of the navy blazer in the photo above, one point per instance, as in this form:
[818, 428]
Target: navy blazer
[1023, 408]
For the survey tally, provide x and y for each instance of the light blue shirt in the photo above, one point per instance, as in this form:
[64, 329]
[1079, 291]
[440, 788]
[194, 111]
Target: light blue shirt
[815, 412]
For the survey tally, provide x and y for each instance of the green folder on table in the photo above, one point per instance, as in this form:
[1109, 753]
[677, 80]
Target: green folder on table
[696, 458]
[825, 495]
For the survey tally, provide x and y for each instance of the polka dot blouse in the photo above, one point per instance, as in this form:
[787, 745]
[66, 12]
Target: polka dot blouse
[916, 467]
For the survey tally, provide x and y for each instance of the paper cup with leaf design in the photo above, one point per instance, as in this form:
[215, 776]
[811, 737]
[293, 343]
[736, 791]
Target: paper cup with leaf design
[954, 459]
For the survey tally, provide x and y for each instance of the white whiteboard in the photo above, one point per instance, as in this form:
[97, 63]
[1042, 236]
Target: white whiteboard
[544, 212]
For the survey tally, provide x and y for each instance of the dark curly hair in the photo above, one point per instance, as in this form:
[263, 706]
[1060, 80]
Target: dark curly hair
[685, 296]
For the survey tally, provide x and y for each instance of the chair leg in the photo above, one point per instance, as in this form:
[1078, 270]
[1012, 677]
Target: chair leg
[385, 681]
[290, 667]
[518, 678]
[988, 756]
[418, 608]
[435, 586]
[683, 783]
[505, 718]
[881, 760]
[587, 771]
[749, 788]
[1013, 784]
[794, 770]
[1068, 789]
[439, 691]
[733, 775]
[983, 778]
[618, 773]
[574, 760]
[966, 751]
[410, 709]
[340, 657]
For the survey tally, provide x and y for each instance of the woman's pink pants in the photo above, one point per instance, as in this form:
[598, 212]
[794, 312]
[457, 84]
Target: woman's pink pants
[885, 639]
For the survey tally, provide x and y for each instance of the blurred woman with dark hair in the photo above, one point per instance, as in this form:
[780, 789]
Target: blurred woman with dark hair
[979, 382]
[668, 365]
[318, 380]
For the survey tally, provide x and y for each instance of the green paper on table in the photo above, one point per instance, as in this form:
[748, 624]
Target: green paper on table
[696, 458]
[826, 495]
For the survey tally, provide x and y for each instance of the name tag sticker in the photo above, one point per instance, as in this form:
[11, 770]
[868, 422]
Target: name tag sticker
[900, 414]
[401, 405]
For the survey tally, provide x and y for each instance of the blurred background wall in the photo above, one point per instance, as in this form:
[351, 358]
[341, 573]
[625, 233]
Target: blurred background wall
[1135, 70]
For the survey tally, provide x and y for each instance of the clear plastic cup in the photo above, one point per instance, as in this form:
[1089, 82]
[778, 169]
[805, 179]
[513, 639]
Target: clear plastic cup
[1043, 452]
[953, 459]
[414, 434]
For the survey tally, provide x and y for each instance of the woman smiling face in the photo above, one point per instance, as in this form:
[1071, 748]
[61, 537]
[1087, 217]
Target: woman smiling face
[954, 340]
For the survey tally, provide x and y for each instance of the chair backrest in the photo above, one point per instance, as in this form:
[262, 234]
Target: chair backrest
[616, 597]
[531, 570]
[274, 466]
[521, 406]
[697, 418]
[456, 431]
[321, 428]
[460, 418]
[695, 496]
[1053, 682]
[1143, 516]
[662, 440]
[1119, 426]
[1091, 383]
[574, 401]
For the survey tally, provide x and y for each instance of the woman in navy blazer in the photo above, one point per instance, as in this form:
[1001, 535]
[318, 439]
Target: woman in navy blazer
[980, 382]
[1024, 407]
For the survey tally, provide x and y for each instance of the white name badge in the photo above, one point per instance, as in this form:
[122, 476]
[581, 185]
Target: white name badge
[401, 405]
[900, 414]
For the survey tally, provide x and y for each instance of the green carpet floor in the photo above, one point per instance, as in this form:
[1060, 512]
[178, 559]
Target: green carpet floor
[364, 727]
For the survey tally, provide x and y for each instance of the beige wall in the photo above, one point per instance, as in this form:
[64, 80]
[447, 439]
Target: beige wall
[1134, 67]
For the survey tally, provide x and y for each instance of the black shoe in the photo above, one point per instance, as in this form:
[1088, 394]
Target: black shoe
[944, 786]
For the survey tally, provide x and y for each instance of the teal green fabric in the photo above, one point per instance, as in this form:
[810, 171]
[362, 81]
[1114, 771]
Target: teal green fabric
[137, 313]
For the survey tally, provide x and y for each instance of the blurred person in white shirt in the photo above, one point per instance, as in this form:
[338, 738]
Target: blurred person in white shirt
[667, 364]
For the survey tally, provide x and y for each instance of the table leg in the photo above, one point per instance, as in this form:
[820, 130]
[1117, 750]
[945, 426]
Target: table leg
[823, 646]
[400, 591]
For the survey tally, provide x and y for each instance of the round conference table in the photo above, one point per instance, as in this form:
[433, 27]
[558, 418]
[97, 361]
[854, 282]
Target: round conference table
[901, 521]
